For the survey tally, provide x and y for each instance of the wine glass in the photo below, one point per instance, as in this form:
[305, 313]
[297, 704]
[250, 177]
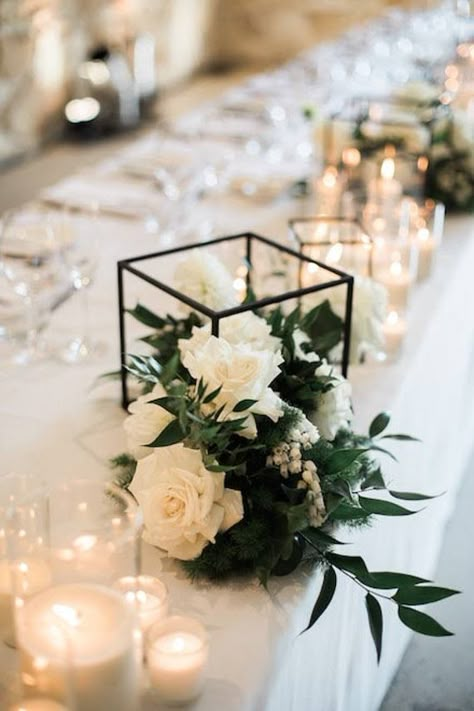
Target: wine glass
[80, 258]
[30, 282]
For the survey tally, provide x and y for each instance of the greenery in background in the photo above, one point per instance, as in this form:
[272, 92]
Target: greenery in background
[275, 536]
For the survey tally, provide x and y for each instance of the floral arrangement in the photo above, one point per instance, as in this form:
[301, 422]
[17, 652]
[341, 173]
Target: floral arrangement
[242, 455]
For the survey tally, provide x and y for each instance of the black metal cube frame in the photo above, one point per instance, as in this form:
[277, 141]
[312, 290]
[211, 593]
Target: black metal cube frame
[128, 265]
[314, 218]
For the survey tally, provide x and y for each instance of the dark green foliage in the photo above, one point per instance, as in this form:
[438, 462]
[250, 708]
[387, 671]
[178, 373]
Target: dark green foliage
[124, 466]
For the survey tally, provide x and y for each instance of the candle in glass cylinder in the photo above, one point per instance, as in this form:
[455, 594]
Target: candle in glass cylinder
[397, 281]
[147, 595]
[76, 642]
[31, 575]
[426, 250]
[328, 191]
[386, 187]
[394, 331]
[177, 654]
[38, 705]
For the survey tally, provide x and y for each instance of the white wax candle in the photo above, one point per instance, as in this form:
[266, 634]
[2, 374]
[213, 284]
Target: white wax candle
[38, 705]
[386, 188]
[176, 662]
[394, 331]
[328, 191]
[147, 596]
[426, 251]
[31, 575]
[78, 639]
[397, 281]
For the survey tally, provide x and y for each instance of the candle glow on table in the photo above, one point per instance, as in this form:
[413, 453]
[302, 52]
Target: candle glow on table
[77, 640]
[394, 331]
[177, 655]
[328, 192]
[31, 575]
[38, 705]
[397, 280]
[386, 187]
[147, 596]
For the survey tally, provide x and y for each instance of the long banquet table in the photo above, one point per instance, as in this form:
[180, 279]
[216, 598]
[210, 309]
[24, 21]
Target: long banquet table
[53, 423]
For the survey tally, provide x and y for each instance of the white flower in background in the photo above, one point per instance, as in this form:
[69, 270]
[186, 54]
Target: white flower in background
[333, 408]
[184, 505]
[288, 456]
[415, 138]
[300, 338]
[204, 278]
[462, 131]
[241, 373]
[418, 92]
[145, 422]
[369, 309]
[246, 328]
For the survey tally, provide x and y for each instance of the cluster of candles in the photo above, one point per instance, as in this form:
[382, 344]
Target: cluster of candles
[89, 644]
[403, 235]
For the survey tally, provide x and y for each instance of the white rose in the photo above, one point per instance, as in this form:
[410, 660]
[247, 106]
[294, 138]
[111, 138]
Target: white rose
[418, 92]
[184, 505]
[145, 422]
[204, 278]
[247, 328]
[241, 373]
[333, 408]
[299, 339]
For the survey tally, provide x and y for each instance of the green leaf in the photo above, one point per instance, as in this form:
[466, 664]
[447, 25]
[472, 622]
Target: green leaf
[384, 451]
[346, 512]
[168, 403]
[341, 459]
[410, 495]
[351, 563]
[220, 467]
[383, 508]
[316, 535]
[422, 595]
[374, 613]
[212, 395]
[422, 623]
[325, 597]
[386, 580]
[401, 437]
[147, 317]
[172, 434]
[244, 405]
[375, 480]
[378, 424]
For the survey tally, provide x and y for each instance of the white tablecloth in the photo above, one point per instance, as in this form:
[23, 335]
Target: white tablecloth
[54, 424]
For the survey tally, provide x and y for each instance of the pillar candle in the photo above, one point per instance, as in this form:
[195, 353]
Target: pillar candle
[394, 331]
[426, 251]
[397, 281]
[76, 641]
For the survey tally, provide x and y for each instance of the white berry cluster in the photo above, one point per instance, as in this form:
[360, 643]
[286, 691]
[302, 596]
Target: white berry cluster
[288, 456]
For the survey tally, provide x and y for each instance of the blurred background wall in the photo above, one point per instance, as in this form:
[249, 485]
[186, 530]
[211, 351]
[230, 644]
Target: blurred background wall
[43, 42]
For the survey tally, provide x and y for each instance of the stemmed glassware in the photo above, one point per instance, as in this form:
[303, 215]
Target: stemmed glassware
[31, 282]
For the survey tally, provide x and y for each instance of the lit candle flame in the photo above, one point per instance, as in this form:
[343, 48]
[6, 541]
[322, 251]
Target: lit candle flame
[67, 614]
[392, 318]
[335, 253]
[423, 234]
[330, 177]
[395, 269]
[387, 171]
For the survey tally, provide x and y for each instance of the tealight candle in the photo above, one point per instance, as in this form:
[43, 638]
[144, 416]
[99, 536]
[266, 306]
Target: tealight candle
[397, 281]
[38, 705]
[78, 639]
[177, 654]
[394, 331]
[328, 191]
[426, 251]
[147, 595]
[386, 188]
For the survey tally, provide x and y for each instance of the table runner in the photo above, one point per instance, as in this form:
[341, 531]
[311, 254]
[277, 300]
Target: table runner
[53, 424]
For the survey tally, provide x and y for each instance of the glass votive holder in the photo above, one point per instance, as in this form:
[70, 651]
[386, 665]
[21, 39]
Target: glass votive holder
[328, 190]
[425, 223]
[24, 562]
[38, 704]
[177, 652]
[394, 332]
[394, 264]
[337, 242]
[147, 596]
[75, 643]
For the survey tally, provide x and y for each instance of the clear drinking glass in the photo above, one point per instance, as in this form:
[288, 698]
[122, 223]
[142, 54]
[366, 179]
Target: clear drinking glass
[80, 258]
[31, 281]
